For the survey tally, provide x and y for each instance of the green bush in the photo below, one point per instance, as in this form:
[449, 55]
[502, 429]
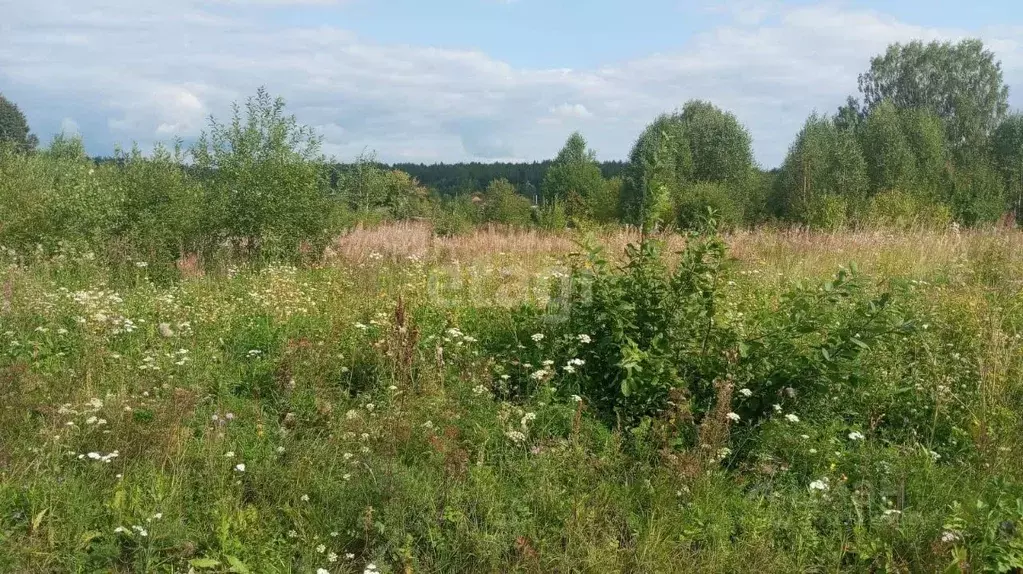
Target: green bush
[265, 182]
[902, 210]
[695, 201]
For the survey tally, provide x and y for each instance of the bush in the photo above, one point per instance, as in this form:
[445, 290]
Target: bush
[265, 182]
[695, 201]
[903, 210]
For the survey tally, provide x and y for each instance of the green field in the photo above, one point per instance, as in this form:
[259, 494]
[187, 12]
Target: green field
[494, 403]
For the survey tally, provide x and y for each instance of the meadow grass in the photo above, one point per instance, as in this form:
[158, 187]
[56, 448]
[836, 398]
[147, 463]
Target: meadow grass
[391, 408]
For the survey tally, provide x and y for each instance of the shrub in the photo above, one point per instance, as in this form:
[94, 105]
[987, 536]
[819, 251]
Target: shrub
[695, 201]
[265, 183]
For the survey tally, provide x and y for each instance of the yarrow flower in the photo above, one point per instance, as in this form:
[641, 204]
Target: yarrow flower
[734, 417]
[537, 337]
[515, 436]
[949, 536]
[746, 392]
[821, 485]
[584, 338]
[856, 435]
[240, 467]
[792, 418]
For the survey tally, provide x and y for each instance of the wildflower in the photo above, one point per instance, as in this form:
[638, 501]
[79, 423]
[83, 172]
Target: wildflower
[515, 436]
[165, 330]
[792, 418]
[537, 337]
[350, 556]
[569, 369]
[321, 549]
[777, 408]
[304, 498]
[240, 467]
[548, 363]
[332, 557]
[821, 485]
[120, 530]
[361, 326]
[334, 534]
[576, 362]
[734, 417]
[370, 407]
[280, 449]
[322, 571]
[371, 568]
[746, 393]
[229, 416]
[584, 338]
[537, 375]
[934, 456]
[949, 536]
[813, 451]
[90, 420]
[229, 454]
[479, 389]
[352, 414]
[856, 435]
[347, 456]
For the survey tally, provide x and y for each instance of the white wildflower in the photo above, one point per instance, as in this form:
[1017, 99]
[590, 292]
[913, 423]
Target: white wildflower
[537, 337]
[734, 417]
[746, 393]
[792, 418]
[856, 435]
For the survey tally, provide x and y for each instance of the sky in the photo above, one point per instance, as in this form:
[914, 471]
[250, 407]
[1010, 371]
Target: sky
[461, 80]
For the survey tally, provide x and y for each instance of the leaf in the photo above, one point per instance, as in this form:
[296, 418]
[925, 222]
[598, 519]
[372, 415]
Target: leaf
[744, 350]
[38, 519]
[237, 565]
[206, 562]
[859, 343]
[827, 355]
[87, 538]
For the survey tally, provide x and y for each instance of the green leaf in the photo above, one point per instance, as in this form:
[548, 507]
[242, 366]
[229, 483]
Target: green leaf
[827, 355]
[237, 565]
[744, 350]
[207, 562]
[859, 343]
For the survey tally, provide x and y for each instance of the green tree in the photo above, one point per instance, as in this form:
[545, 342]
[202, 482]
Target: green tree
[824, 169]
[503, 204]
[660, 163]
[14, 127]
[960, 82]
[266, 185]
[1007, 149]
[721, 148]
[573, 177]
[890, 160]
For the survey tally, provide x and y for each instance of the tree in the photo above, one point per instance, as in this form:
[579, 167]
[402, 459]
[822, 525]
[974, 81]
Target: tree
[962, 83]
[573, 177]
[823, 168]
[660, 163]
[721, 148]
[265, 179]
[503, 204]
[890, 160]
[1007, 149]
[14, 127]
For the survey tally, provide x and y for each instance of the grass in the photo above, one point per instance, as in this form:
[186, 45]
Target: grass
[357, 414]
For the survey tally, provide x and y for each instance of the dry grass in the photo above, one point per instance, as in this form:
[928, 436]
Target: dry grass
[791, 252]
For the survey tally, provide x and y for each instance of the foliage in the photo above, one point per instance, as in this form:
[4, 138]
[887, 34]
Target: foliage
[1007, 147]
[502, 204]
[960, 82]
[14, 128]
[574, 173]
[264, 179]
[823, 162]
[700, 198]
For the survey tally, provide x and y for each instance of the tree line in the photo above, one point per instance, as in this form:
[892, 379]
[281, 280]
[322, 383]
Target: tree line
[928, 140]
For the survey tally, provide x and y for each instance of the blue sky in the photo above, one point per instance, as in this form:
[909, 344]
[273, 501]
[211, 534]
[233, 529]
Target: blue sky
[416, 80]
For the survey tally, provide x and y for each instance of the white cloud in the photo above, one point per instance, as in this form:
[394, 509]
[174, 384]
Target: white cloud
[147, 70]
[571, 111]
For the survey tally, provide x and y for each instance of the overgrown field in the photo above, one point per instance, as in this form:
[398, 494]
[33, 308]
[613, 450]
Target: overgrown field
[496, 403]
